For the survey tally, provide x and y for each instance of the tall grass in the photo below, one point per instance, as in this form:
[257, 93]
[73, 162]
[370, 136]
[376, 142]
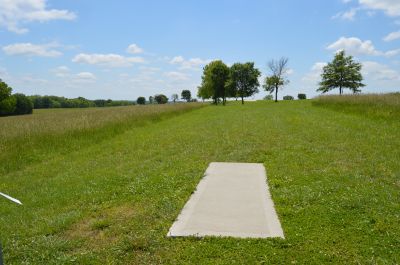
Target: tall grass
[29, 138]
[386, 106]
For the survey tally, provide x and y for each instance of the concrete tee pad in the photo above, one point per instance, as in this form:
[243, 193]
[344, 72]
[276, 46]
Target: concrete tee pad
[232, 199]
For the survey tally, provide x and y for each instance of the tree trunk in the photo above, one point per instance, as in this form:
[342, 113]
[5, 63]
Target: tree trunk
[340, 90]
[276, 94]
[242, 100]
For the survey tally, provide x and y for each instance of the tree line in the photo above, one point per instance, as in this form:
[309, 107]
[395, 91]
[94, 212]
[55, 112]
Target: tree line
[219, 81]
[241, 80]
[46, 102]
[186, 95]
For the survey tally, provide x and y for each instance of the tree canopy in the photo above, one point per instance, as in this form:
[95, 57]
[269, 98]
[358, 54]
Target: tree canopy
[161, 99]
[342, 72]
[186, 95]
[221, 81]
[15, 104]
[141, 100]
[214, 80]
[243, 80]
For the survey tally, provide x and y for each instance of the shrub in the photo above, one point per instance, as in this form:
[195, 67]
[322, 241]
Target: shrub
[7, 106]
[161, 99]
[301, 96]
[7, 102]
[141, 100]
[269, 97]
[23, 104]
[288, 97]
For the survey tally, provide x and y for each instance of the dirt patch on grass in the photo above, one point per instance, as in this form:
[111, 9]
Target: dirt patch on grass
[98, 230]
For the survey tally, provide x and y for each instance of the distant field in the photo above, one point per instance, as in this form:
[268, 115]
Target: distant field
[386, 106]
[109, 196]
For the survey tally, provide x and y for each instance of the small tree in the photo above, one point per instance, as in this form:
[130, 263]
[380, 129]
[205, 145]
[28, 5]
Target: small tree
[23, 104]
[341, 73]
[243, 80]
[277, 78]
[174, 97]
[141, 100]
[161, 99]
[301, 96]
[186, 95]
[151, 99]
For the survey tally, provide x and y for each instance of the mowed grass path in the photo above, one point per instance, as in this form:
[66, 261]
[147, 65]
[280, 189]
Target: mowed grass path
[334, 178]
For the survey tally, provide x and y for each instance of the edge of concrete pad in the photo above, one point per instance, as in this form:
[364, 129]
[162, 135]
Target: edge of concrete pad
[273, 223]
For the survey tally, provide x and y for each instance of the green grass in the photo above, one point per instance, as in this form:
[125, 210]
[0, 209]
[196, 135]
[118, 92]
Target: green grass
[382, 106]
[334, 178]
[32, 138]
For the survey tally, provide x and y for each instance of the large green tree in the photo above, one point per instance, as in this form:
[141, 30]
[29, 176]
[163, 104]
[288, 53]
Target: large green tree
[343, 72]
[243, 80]
[214, 81]
[278, 78]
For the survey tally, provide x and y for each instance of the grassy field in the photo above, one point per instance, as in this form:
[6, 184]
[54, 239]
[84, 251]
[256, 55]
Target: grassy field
[110, 198]
[383, 106]
[32, 138]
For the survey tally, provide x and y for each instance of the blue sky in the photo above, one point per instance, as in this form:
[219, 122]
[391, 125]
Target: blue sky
[125, 49]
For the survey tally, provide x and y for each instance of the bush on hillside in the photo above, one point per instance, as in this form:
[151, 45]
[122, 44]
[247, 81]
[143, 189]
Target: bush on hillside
[141, 100]
[7, 106]
[161, 99]
[301, 96]
[288, 97]
[269, 97]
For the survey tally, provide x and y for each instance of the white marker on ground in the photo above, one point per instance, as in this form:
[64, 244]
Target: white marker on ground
[10, 198]
[232, 199]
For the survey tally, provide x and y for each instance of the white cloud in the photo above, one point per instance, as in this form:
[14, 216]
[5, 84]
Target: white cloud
[177, 76]
[392, 53]
[390, 7]
[177, 60]
[190, 63]
[134, 49]
[30, 49]
[61, 71]
[111, 60]
[379, 72]
[392, 36]
[84, 77]
[13, 13]
[346, 15]
[313, 77]
[354, 46]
